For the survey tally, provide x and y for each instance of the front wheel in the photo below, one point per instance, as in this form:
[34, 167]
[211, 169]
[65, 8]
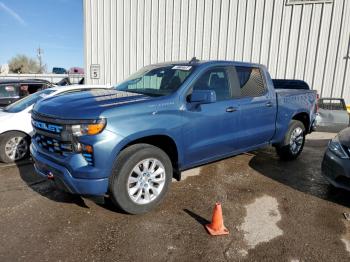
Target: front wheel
[293, 142]
[14, 146]
[141, 177]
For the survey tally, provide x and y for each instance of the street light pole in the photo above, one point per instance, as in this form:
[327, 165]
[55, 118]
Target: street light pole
[39, 54]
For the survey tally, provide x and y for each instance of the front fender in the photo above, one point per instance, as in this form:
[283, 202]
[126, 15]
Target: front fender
[144, 134]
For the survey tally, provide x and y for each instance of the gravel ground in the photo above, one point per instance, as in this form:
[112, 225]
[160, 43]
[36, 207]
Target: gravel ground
[275, 211]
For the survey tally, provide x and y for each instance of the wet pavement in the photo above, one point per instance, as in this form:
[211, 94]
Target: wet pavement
[275, 211]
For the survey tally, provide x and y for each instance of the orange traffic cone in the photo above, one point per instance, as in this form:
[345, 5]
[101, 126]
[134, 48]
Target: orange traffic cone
[217, 228]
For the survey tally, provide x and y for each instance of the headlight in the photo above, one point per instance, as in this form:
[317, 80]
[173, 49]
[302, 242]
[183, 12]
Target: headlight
[89, 129]
[335, 146]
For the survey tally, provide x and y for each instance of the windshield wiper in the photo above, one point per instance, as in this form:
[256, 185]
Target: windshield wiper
[145, 93]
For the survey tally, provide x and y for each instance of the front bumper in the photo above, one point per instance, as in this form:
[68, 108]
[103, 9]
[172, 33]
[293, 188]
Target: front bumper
[64, 178]
[336, 170]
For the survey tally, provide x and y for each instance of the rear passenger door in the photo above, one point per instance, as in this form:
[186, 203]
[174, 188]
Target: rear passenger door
[257, 107]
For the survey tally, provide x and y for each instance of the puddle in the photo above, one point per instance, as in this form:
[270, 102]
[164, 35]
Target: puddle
[260, 223]
[346, 237]
[347, 244]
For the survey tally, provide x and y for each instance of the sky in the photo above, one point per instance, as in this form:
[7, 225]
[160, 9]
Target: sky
[54, 25]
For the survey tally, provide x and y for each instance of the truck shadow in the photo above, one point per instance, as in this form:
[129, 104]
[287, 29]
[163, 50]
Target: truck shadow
[303, 174]
[45, 187]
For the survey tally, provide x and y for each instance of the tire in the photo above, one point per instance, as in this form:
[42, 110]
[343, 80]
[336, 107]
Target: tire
[132, 192]
[293, 142]
[20, 146]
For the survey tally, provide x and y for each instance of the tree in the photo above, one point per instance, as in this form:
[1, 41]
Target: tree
[24, 65]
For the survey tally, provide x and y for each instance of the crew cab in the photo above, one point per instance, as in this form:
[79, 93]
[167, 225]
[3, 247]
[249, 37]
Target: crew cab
[128, 143]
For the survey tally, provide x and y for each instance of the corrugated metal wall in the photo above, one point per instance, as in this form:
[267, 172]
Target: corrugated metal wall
[303, 41]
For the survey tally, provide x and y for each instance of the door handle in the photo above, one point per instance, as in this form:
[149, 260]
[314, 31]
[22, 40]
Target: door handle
[269, 104]
[231, 109]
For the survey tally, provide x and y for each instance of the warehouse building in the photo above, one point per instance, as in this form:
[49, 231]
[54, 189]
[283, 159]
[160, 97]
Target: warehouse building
[295, 39]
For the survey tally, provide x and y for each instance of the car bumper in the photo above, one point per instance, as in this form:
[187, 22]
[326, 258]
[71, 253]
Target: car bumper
[336, 170]
[63, 177]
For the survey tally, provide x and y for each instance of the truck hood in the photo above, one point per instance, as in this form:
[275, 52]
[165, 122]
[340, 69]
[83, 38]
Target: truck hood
[86, 104]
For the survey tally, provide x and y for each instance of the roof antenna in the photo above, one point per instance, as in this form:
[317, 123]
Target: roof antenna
[193, 60]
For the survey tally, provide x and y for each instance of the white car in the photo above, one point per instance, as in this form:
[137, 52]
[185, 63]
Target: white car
[15, 121]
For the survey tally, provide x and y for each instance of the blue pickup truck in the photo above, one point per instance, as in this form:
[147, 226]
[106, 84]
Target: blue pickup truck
[128, 143]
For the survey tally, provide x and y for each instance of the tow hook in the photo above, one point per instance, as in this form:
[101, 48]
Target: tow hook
[50, 176]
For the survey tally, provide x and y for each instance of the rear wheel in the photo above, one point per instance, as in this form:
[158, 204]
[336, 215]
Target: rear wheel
[140, 179]
[293, 142]
[14, 146]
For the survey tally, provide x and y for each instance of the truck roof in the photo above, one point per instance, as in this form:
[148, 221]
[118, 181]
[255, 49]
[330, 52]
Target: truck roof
[24, 81]
[210, 62]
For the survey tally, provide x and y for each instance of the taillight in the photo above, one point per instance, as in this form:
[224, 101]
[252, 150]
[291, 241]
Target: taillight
[317, 98]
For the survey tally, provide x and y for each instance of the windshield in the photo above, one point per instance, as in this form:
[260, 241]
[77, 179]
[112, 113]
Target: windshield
[28, 101]
[156, 80]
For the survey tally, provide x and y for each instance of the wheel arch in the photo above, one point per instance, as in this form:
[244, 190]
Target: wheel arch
[5, 158]
[15, 130]
[304, 118]
[162, 141]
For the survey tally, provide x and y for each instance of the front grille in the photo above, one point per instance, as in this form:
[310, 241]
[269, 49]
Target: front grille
[53, 145]
[53, 135]
[89, 158]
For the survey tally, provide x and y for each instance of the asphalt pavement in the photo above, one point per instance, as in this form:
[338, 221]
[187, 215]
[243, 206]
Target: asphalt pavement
[274, 210]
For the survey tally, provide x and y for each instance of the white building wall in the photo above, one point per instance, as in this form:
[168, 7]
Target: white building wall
[309, 41]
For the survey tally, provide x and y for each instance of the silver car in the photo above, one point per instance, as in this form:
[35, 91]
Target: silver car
[332, 115]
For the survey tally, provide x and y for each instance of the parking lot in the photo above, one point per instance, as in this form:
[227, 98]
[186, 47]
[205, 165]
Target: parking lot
[274, 210]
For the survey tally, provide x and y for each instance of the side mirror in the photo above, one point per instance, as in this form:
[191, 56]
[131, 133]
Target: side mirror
[203, 96]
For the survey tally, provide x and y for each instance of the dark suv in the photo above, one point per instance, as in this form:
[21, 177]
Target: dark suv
[13, 90]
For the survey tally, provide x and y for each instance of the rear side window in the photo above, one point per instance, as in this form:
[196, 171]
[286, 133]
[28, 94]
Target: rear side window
[32, 88]
[9, 91]
[331, 104]
[251, 81]
[215, 79]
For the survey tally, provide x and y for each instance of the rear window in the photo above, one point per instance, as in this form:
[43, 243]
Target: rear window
[331, 104]
[290, 84]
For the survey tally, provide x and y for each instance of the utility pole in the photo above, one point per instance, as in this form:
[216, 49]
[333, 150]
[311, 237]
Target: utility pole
[39, 54]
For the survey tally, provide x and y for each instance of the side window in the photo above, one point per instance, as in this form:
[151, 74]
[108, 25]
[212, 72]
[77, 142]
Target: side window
[32, 88]
[251, 81]
[9, 91]
[217, 80]
[23, 90]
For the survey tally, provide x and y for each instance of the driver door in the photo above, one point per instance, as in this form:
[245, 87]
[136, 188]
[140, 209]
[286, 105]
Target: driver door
[211, 128]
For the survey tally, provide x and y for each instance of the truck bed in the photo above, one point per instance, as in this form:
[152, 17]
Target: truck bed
[290, 102]
[290, 84]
